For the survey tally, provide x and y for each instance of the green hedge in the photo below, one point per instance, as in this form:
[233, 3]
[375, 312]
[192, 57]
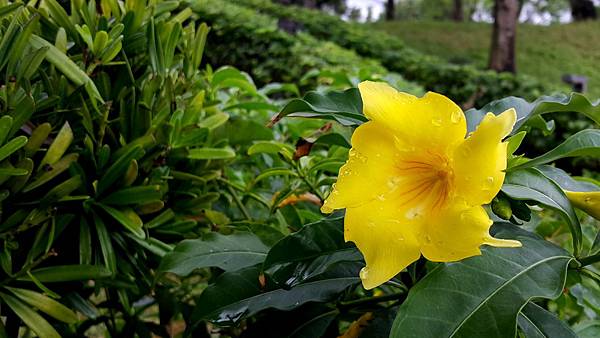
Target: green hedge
[253, 42]
[462, 83]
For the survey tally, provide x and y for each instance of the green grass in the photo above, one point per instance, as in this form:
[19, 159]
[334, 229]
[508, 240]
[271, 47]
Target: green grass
[545, 53]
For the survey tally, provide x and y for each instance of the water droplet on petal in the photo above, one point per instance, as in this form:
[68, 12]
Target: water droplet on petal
[393, 182]
[400, 238]
[371, 224]
[427, 239]
[455, 117]
[437, 122]
[381, 197]
[364, 273]
[489, 180]
[588, 200]
[414, 213]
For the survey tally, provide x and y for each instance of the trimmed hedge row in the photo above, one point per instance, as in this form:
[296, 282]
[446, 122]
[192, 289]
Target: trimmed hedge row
[463, 83]
[254, 43]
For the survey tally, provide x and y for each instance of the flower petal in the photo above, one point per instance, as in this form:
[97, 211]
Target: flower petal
[457, 233]
[432, 120]
[387, 241]
[480, 161]
[369, 167]
[588, 201]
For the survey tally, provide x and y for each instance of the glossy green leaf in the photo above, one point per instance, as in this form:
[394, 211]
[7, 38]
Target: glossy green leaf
[584, 143]
[211, 153]
[66, 273]
[127, 217]
[238, 294]
[531, 185]
[45, 304]
[481, 296]
[56, 169]
[228, 76]
[12, 146]
[59, 145]
[537, 322]
[134, 195]
[66, 66]
[565, 181]
[309, 252]
[343, 107]
[108, 252]
[31, 318]
[230, 253]
[119, 168]
[274, 172]
[546, 104]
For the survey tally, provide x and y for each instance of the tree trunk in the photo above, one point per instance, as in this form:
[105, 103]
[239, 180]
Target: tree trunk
[390, 10]
[583, 10]
[458, 13]
[502, 53]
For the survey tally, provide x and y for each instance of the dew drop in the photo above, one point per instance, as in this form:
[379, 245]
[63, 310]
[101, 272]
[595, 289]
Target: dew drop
[489, 180]
[413, 213]
[371, 224]
[427, 239]
[393, 182]
[455, 117]
[588, 200]
[364, 273]
[437, 122]
[400, 238]
[381, 197]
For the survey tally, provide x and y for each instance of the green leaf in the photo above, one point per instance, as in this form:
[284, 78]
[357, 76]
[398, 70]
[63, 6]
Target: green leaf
[590, 329]
[118, 169]
[31, 318]
[108, 253]
[531, 185]
[546, 104]
[584, 143]
[59, 145]
[12, 146]
[127, 217]
[230, 253]
[134, 195]
[66, 66]
[66, 273]
[343, 107]
[271, 147]
[211, 153]
[537, 322]
[274, 172]
[56, 169]
[228, 76]
[45, 304]
[481, 296]
[565, 181]
[309, 252]
[238, 294]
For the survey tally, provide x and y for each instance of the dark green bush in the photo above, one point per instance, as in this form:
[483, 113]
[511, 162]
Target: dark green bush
[254, 43]
[110, 153]
[464, 84]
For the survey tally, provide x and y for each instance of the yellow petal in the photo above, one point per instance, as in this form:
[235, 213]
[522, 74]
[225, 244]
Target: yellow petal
[369, 167]
[430, 121]
[588, 201]
[387, 241]
[480, 161]
[457, 233]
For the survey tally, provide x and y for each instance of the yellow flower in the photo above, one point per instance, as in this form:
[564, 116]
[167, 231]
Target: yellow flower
[588, 201]
[414, 185]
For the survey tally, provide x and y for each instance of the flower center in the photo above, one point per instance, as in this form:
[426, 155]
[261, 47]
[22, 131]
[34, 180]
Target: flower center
[423, 183]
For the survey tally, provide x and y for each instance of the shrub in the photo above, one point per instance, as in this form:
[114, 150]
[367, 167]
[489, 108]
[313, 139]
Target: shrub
[465, 84]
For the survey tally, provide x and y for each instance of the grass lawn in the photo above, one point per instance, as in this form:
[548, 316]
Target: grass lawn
[544, 52]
